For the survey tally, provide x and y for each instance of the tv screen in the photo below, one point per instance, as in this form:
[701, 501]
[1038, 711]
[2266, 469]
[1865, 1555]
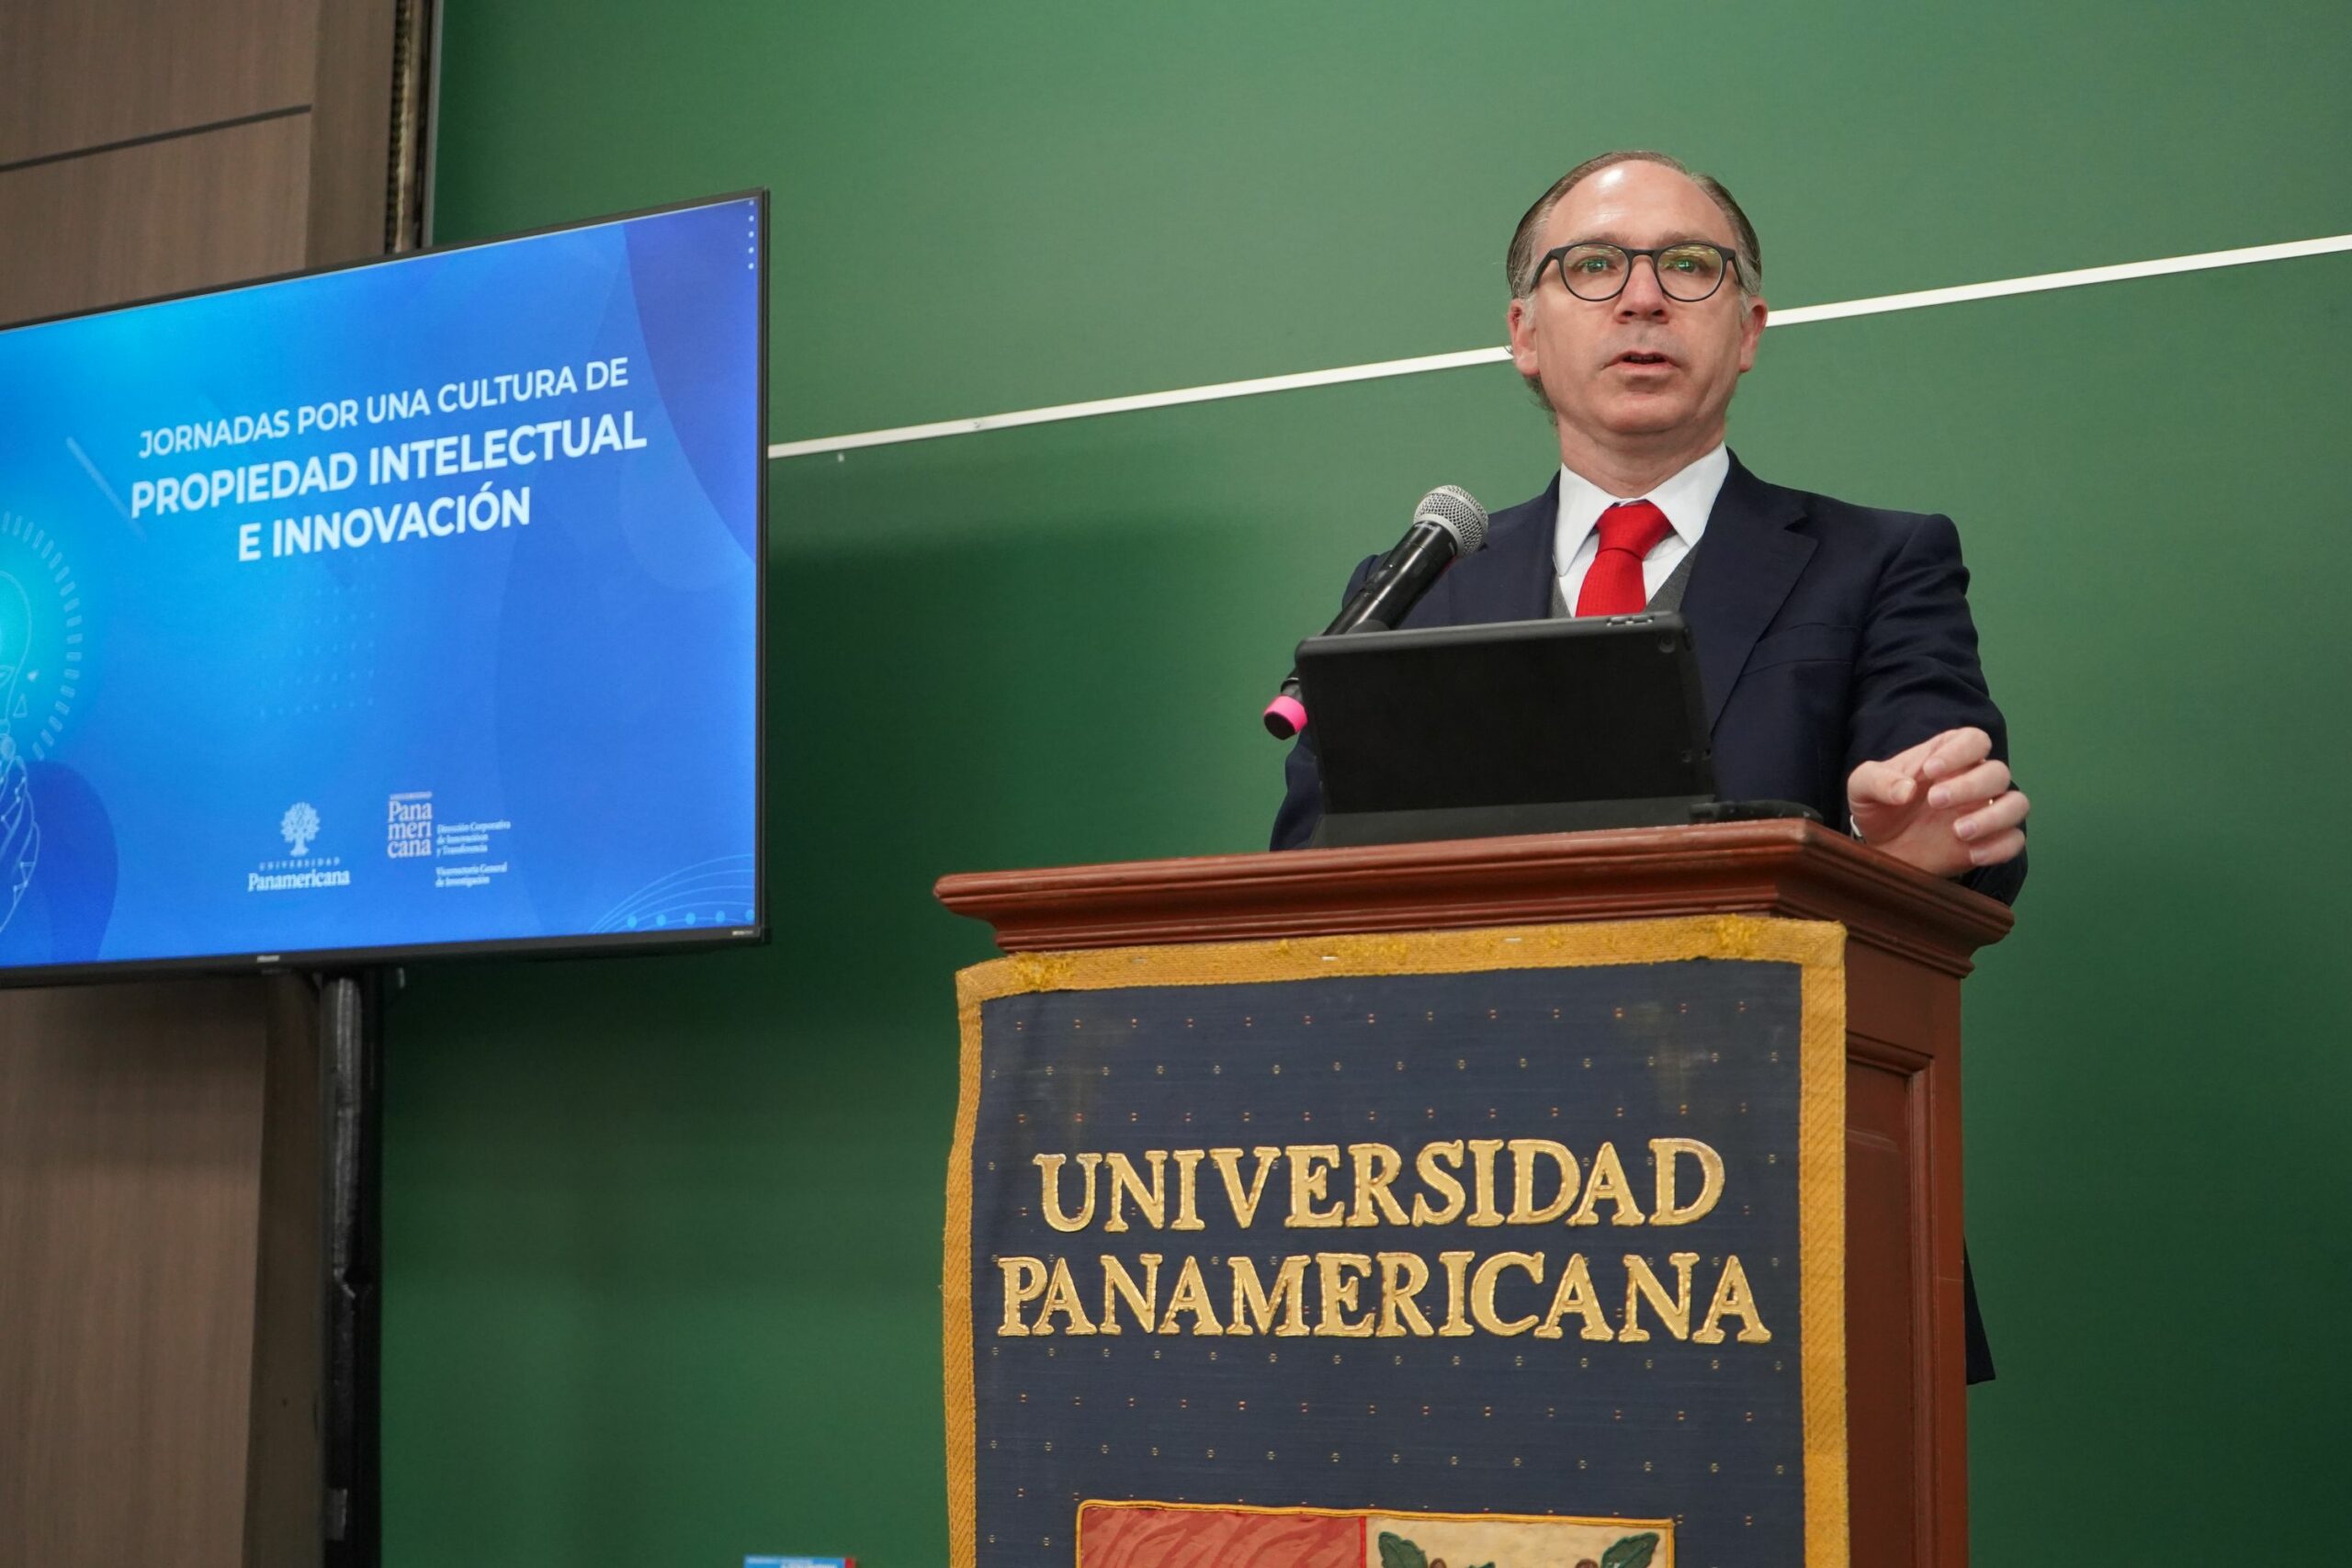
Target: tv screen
[403, 608]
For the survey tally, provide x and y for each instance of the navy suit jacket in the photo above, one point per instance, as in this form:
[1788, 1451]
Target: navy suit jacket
[1827, 635]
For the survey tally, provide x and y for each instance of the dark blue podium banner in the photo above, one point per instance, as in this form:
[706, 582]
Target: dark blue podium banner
[1504, 1247]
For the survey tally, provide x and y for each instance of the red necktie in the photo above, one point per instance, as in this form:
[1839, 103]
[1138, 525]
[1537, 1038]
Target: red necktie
[1612, 586]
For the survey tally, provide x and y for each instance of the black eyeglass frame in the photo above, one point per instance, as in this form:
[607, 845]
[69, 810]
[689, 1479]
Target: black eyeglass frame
[1557, 259]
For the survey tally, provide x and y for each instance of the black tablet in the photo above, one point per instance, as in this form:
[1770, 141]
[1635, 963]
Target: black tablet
[1517, 726]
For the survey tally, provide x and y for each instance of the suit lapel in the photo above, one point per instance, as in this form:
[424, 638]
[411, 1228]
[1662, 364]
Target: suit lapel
[1748, 559]
[1512, 577]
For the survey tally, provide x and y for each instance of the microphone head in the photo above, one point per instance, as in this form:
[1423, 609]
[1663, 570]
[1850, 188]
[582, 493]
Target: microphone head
[1453, 508]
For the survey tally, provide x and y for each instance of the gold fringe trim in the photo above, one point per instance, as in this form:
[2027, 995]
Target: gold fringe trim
[1820, 1260]
[955, 1294]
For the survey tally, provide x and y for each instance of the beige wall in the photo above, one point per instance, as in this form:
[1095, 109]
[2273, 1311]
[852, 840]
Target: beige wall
[159, 1142]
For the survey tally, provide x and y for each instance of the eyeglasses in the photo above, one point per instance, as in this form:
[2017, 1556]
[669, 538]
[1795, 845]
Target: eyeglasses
[1592, 270]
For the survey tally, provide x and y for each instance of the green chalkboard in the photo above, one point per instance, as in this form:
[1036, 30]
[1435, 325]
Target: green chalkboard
[664, 1234]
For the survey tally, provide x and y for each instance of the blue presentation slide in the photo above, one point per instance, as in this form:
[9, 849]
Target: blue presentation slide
[407, 604]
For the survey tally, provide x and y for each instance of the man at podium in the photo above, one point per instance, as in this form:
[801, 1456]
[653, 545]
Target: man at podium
[1836, 650]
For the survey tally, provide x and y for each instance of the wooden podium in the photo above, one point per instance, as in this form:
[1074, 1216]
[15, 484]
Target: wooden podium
[1909, 942]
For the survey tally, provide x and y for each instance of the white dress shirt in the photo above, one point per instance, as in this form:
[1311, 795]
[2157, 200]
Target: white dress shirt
[1686, 499]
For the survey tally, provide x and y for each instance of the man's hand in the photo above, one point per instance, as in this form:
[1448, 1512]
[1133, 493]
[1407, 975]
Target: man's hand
[1944, 806]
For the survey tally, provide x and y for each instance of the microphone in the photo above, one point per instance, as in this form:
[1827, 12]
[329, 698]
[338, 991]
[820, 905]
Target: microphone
[1448, 522]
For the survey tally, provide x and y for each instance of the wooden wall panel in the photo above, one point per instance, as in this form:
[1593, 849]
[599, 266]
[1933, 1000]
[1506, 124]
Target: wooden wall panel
[130, 1121]
[160, 1321]
[284, 1468]
[351, 132]
[91, 73]
[154, 218]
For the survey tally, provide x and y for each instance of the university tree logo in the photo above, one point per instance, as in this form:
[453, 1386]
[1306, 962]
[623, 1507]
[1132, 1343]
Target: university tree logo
[299, 825]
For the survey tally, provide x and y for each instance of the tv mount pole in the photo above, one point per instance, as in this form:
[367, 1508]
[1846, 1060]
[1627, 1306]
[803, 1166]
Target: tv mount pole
[351, 1081]
[351, 1006]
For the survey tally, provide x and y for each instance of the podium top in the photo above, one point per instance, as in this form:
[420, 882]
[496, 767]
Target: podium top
[1795, 869]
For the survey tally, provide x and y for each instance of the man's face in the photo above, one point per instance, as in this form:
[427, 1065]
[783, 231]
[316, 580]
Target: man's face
[1580, 350]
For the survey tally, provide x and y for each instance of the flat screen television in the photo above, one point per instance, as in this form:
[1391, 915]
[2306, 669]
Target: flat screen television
[406, 608]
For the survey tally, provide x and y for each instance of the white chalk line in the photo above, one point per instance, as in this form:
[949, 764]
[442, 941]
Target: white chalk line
[1960, 294]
